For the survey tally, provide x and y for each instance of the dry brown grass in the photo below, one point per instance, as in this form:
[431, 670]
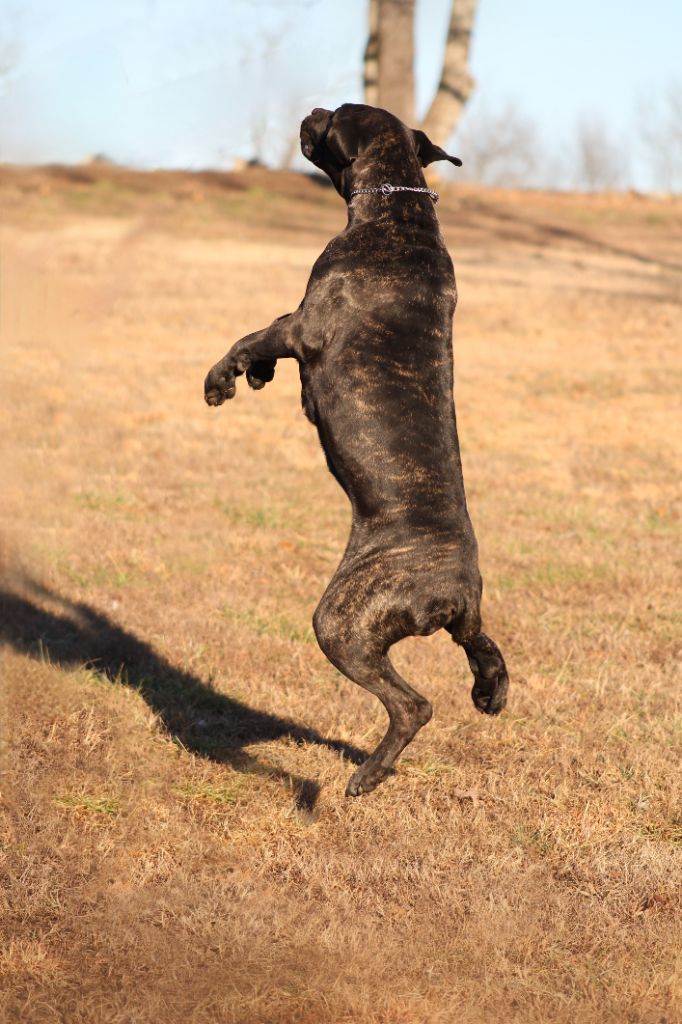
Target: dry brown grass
[178, 847]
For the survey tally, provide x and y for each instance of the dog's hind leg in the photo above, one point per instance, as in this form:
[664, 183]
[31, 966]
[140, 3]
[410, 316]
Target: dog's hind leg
[362, 658]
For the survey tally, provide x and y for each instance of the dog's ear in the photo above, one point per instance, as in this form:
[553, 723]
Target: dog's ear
[428, 152]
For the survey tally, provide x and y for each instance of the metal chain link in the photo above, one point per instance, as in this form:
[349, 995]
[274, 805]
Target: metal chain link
[386, 190]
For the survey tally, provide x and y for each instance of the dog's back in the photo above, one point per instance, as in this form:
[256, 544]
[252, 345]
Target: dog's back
[380, 391]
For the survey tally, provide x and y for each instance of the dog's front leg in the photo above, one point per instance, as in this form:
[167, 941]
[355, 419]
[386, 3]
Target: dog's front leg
[256, 356]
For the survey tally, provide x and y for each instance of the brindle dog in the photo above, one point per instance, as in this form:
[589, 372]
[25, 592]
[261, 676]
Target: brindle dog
[373, 340]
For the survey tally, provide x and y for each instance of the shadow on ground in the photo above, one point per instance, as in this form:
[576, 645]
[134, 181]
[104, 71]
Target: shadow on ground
[204, 721]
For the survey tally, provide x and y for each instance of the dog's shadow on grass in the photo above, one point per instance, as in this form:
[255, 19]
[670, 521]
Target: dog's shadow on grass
[205, 721]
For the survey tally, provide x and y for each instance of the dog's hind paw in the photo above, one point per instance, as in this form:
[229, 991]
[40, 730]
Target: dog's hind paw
[491, 682]
[490, 696]
[367, 777]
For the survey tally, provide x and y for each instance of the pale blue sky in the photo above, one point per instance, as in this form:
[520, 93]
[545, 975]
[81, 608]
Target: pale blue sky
[174, 83]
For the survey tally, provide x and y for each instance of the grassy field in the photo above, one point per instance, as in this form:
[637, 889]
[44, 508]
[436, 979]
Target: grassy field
[177, 846]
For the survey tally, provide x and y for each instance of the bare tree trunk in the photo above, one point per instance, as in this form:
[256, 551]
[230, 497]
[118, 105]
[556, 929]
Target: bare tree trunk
[456, 83]
[371, 70]
[396, 58]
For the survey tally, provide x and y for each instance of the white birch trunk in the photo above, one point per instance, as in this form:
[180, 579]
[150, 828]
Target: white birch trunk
[456, 83]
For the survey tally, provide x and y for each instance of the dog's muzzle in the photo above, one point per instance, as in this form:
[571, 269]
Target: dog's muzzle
[314, 130]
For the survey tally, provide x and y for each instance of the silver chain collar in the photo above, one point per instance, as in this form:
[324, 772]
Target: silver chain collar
[386, 190]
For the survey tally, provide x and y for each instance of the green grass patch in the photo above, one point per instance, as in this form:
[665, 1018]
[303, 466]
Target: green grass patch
[101, 576]
[92, 676]
[111, 575]
[260, 518]
[663, 832]
[661, 520]
[531, 840]
[102, 502]
[204, 791]
[275, 625]
[92, 804]
[431, 767]
[553, 574]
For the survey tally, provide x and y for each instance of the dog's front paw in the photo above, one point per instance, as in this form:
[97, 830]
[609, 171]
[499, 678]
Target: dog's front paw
[260, 373]
[219, 384]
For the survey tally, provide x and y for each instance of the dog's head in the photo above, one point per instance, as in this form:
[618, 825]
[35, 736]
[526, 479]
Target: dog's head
[344, 141]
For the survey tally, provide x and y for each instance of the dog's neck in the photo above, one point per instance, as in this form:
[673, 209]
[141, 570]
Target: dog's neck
[373, 170]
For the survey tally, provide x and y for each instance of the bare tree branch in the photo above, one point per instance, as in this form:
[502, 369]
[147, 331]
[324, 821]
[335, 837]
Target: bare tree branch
[660, 128]
[500, 147]
[600, 161]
